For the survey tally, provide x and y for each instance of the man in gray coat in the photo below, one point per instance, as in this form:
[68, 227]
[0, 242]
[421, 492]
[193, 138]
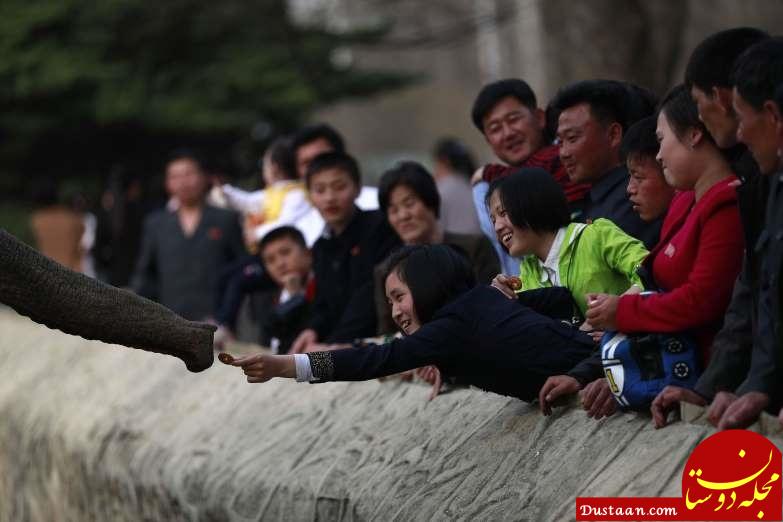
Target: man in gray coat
[185, 246]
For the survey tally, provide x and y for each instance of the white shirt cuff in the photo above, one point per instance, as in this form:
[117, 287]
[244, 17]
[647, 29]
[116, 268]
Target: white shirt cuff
[304, 372]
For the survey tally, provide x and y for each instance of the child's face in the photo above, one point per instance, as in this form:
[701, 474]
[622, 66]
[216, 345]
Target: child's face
[333, 192]
[647, 188]
[403, 311]
[284, 259]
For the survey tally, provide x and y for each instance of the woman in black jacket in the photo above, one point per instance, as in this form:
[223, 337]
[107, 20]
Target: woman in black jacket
[472, 333]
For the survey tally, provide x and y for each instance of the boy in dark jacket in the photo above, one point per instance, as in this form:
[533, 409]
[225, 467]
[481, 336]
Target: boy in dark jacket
[353, 242]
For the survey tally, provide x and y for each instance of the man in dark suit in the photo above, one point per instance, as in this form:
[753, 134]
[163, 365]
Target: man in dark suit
[185, 246]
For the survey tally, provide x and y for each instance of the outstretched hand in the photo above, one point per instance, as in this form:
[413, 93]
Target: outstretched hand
[261, 367]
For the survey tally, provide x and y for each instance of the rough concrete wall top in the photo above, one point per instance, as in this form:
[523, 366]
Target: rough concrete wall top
[92, 432]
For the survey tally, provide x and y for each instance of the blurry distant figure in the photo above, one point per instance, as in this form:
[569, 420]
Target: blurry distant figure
[454, 166]
[81, 205]
[57, 228]
[184, 251]
[120, 217]
[282, 201]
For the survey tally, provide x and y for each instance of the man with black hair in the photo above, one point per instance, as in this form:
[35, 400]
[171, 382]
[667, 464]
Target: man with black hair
[184, 249]
[507, 114]
[756, 76]
[312, 140]
[707, 76]
[592, 117]
[307, 143]
[352, 243]
[647, 188]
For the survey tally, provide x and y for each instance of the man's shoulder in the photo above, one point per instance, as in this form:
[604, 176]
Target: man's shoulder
[158, 217]
[219, 215]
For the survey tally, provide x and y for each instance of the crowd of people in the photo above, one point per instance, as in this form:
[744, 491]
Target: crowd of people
[621, 247]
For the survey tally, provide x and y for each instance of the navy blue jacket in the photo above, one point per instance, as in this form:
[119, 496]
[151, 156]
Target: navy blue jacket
[481, 338]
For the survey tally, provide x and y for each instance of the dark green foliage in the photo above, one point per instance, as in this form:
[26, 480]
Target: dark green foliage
[87, 85]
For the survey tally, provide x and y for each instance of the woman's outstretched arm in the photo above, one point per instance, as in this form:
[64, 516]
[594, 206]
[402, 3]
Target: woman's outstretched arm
[435, 343]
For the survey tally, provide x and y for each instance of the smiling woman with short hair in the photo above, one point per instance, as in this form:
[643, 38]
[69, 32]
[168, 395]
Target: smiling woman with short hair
[472, 333]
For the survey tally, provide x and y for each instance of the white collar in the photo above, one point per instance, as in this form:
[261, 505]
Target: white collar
[552, 262]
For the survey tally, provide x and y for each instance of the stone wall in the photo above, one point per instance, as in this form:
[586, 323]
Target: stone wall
[95, 432]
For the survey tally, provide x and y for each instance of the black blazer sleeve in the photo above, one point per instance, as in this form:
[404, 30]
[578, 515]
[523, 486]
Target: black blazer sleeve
[588, 369]
[434, 343]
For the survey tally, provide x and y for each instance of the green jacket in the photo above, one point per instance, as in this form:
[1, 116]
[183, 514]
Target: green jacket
[593, 258]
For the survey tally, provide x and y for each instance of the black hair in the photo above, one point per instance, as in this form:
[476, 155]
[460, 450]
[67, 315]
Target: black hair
[282, 156]
[610, 101]
[639, 104]
[532, 199]
[45, 193]
[310, 133]
[413, 176]
[435, 275]
[185, 153]
[492, 93]
[711, 62]
[456, 155]
[334, 160]
[759, 71]
[682, 114]
[284, 232]
[640, 141]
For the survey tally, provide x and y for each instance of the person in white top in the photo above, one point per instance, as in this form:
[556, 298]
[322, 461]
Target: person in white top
[309, 142]
[283, 201]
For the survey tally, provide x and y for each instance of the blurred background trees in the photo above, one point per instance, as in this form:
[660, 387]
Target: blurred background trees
[87, 88]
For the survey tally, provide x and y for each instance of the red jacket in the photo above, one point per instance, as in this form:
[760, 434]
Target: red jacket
[695, 263]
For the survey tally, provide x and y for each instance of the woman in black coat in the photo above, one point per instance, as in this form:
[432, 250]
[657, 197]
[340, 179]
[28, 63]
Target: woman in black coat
[472, 333]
